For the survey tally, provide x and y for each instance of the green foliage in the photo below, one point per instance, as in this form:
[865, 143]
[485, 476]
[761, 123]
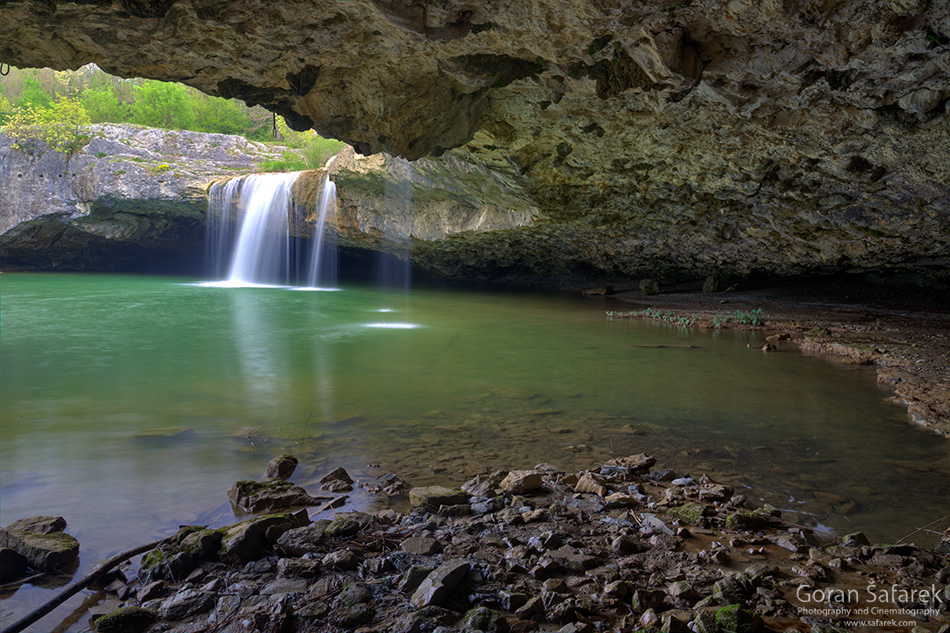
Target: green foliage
[751, 317]
[291, 161]
[213, 114]
[657, 315]
[318, 150]
[108, 99]
[60, 126]
[33, 97]
[103, 106]
[161, 104]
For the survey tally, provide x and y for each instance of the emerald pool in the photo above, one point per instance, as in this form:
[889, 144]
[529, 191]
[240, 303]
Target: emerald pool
[131, 403]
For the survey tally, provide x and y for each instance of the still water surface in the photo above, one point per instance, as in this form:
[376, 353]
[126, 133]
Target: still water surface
[130, 404]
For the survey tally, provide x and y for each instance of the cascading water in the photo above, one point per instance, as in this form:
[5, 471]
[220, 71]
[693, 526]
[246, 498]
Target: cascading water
[250, 233]
[323, 258]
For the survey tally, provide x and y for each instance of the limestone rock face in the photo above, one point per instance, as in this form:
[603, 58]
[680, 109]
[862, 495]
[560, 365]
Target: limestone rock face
[660, 139]
[129, 195]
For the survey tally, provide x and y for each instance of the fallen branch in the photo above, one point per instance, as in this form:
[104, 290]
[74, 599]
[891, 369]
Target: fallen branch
[920, 529]
[68, 593]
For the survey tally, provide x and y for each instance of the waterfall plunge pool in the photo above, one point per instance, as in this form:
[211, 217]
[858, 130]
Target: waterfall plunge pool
[131, 404]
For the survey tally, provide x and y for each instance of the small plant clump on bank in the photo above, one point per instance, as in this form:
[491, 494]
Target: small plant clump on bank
[749, 317]
[657, 315]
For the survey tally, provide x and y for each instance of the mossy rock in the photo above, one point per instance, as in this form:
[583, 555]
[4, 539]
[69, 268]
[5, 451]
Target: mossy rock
[735, 618]
[711, 284]
[55, 551]
[649, 286]
[126, 620]
[750, 520]
[691, 513]
[342, 526]
[484, 619]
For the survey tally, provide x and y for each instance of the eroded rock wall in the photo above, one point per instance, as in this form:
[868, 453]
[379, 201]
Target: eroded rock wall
[664, 137]
[130, 196]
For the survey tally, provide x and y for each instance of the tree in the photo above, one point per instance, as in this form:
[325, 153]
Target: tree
[60, 126]
[103, 106]
[161, 104]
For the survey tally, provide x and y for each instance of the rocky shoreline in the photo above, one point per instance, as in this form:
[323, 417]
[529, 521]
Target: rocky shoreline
[900, 327]
[622, 546]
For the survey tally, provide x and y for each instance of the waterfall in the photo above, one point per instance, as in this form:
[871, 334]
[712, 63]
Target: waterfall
[251, 238]
[323, 256]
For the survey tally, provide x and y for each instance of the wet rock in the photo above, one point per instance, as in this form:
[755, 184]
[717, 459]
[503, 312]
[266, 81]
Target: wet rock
[352, 617]
[649, 286]
[425, 620]
[484, 619]
[591, 484]
[343, 525]
[253, 497]
[735, 618]
[522, 481]
[639, 463]
[186, 603]
[13, 564]
[126, 620]
[413, 578]
[854, 539]
[152, 590]
[434, 496]
[280, 468]
[337, 480]
[201, 543]
[253, 539]
[652, 524]
[691, 513]
[298, 568]
[422, 545]
[388, 484]
[354, 593]
[303, 540]
[645, 600]
[483, 485]
[342, 559]
[42, 542]
[38, 525]
[166, 562]
[281, 585]
[439, 584]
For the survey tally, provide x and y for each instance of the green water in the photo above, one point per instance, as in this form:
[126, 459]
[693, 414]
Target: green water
[130, 404]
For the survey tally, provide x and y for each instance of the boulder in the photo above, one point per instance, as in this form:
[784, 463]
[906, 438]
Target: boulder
[639, 463]
[253, 539]
[303, 540]
[253, 497]
[337, 480]
[435, 496]
[591, 484]
[186, 603]
[42, 542]
[126, 620]
[439, 584]
[280, 468]
[522, 481]
[422, 545]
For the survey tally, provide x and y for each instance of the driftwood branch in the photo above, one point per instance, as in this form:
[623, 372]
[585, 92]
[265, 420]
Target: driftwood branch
[68, 593]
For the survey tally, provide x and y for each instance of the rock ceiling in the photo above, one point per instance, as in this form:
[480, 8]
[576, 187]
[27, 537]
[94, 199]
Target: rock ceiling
[676, 138]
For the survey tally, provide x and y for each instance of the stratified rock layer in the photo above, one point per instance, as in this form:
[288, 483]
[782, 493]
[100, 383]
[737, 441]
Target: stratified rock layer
[130, 198]
[660, 138]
